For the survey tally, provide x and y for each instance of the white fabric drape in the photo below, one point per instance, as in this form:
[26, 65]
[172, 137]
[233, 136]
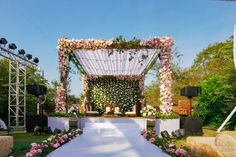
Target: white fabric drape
[109, 140]
[100, 63]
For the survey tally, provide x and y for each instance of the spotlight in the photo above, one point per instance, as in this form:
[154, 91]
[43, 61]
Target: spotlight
[36, 60]
[12, 46]
[3, 41]
[28, 56]
[21, 52]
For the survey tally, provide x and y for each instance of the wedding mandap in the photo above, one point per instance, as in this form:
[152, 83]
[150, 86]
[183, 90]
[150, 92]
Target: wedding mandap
[113, 73]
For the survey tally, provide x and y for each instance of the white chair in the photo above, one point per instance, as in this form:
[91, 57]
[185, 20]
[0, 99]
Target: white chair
[133, 112]
[117, 110]
[108, 109]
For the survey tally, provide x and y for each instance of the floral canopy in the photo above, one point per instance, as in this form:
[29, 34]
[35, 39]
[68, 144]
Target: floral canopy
[116, 57]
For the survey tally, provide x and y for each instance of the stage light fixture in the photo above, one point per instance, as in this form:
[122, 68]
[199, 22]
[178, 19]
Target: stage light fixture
[36, 60]
[21, 52]
[28, 56]
[12, 46]
[3, 41]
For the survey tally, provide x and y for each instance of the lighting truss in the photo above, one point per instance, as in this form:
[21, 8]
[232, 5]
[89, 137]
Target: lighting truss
[17, 87]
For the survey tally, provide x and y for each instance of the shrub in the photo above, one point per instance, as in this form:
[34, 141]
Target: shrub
[167, 116]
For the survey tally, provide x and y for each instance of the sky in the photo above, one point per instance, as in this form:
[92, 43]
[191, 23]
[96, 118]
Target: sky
[37, 25]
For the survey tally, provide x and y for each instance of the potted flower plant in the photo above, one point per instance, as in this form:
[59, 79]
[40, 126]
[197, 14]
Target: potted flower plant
[150, 113]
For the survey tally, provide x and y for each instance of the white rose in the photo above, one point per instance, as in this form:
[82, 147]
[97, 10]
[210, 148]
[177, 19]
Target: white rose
[144, 114]
[32, 144]
[49, 139]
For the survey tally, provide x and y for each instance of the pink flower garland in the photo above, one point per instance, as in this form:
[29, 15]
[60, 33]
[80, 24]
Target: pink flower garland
[51, 143]
[165, 44]
[165, 82]
[60, 99]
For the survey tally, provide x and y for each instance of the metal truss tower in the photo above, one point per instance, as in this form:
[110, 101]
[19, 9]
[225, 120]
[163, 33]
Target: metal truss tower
[17, 87]
[17, 94]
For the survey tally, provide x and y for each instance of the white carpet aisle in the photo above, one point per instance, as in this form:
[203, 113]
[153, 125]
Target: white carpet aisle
[109, 140]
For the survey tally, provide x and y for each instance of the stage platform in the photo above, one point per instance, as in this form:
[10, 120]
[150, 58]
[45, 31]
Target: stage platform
[62, 123]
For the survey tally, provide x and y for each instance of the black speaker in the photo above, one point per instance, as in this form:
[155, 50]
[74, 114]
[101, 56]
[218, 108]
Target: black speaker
[191, 125]
[36, 90]
[191, 91]
[35, 120]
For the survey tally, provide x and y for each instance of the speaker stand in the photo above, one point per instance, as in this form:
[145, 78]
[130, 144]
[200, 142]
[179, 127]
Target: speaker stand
[190, 106]
[37, 108]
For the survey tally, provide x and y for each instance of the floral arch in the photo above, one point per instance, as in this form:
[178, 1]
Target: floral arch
[90, 54]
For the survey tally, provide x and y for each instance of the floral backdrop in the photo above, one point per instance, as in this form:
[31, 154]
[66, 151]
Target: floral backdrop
[164, 44]
[116, 92]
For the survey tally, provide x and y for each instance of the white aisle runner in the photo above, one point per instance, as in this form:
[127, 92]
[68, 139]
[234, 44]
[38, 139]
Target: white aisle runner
[109, 140]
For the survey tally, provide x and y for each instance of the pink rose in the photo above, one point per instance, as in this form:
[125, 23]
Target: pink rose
[145, 135]
[152, 140]
[39, 151]
[180, 151]
[143, 131]
[171, 150]
[46, 145]
[56, 145]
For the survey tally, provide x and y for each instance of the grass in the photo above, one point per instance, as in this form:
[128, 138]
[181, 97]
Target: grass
[22, 142]
[207, 132]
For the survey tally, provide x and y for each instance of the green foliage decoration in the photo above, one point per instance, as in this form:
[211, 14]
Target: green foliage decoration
[111, 90]
[165, 116]
[66, 114]
[122, 44]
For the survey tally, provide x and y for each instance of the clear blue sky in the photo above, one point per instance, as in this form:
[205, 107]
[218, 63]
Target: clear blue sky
[37, 25]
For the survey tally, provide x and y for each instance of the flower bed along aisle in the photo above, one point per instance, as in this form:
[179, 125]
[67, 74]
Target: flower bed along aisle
[52, 143]
[166, 146]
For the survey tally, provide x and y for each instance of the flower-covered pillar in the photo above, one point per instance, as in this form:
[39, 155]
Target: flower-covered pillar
[166, 79]
[63, 59]
[164, 44]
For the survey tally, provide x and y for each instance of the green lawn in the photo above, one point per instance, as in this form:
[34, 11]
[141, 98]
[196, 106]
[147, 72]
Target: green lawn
[22, 142]
[207, 132]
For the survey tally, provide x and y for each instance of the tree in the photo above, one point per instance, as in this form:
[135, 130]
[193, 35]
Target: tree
[4, 66]
[212, 101]
[216, 59]
[151, 94]
[231, 97]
